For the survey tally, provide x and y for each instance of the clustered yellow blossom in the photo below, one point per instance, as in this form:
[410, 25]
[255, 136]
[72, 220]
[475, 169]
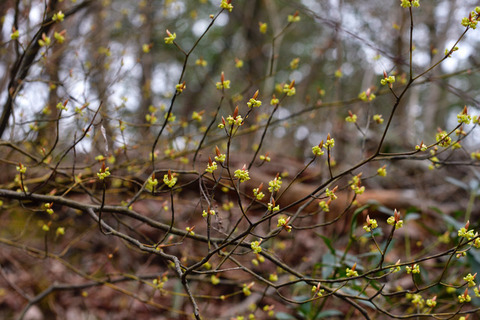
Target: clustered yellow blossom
[170, 37]
[242, 174]
[352, 272]
[395, 220]
[410, 3]
[170, 179]
[370, 224]
[226, 4]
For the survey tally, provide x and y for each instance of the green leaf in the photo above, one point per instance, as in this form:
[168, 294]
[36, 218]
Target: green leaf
[305, 309]
[473, 186]
[452, 222]
[329, 263]
[328, 243]
[354, 218]
[385, 210]
[458, 183]
[329, 313]
[362, 295]
[412, 216]
[377, 232]
[350, 259]
[284, 316]
[436, 209]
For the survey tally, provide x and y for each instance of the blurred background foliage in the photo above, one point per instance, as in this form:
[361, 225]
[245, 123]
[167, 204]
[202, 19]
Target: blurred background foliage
[115, 52]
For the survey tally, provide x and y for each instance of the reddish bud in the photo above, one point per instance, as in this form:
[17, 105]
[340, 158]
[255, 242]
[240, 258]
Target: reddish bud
[396, 215]
[260, 187]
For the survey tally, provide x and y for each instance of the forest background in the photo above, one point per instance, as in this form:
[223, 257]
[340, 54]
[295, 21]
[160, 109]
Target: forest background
[217, 159]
